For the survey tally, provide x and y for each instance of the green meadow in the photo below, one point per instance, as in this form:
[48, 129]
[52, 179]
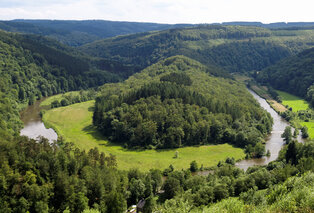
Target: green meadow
[295, 102]
[310, 126]
[74, 124]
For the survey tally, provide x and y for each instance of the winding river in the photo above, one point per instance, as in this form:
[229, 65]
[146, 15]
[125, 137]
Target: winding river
[34, 127]
[274, 141]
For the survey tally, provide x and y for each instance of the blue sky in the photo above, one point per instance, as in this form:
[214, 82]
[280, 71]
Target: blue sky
[161, 11]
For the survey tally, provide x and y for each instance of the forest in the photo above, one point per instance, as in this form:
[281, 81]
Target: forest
[39, 177]
[177, 107]
[33, 67]
[234, 48]
[76, 33]
[153, 91]
[294, 75]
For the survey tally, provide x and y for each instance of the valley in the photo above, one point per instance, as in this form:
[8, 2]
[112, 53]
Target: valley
[139, 109]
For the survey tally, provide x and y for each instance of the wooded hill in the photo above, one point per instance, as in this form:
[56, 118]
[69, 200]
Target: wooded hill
[153, 109]
[235, 48]
[294, 75]
[32, 67]
[76, 33]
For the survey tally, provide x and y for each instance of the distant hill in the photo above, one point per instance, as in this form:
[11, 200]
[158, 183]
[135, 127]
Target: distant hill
[76, 33]
[235, 48]
[273, 25]
[294, 74]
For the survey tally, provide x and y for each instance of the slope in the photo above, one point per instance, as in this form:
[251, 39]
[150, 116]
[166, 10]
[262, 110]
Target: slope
[235, 48]
[32, 67]
[175, 103]
[294, 75]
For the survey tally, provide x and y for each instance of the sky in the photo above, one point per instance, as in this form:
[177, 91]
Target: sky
[161, 11]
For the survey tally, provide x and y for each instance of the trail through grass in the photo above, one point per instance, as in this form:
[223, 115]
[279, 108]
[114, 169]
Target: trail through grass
[74, 123]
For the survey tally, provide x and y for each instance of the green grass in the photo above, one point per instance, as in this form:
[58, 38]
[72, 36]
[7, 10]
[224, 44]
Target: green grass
[310, 126]
[74, 123]
[295, 102]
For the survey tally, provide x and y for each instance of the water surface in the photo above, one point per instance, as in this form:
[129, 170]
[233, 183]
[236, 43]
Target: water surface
[274, 142]
[33, 125]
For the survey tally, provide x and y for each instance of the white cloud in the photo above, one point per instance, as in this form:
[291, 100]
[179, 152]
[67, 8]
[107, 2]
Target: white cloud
[162, 11]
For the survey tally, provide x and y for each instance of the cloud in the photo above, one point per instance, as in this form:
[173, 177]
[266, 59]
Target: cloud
[162, 11]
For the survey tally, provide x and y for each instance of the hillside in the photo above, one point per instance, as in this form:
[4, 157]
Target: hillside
[175, 103]
[32, 67]
[77, 33]
[294, 75]
[235, 48]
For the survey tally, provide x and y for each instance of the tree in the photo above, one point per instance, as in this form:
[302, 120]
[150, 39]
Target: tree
[291, 154]
[137, 189]
[295, 133]
[64, 102]
[21, 93]
[193, 166]
[115, 202]
[220, 192]
[171, 187]
[230, 161]
[55, 104]
[150, 204]
[287, 135]
[304, 131]
[259, 150]
[156, 179]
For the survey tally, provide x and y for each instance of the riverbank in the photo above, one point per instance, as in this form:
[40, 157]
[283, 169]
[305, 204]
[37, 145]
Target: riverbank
[33, 125]
[274, 141]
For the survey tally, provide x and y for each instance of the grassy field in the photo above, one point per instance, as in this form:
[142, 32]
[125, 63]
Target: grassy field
[74, 123]
[310, 126]
[295, 102]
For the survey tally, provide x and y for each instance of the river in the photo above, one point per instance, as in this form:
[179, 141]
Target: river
[33, 125]
[274, 142]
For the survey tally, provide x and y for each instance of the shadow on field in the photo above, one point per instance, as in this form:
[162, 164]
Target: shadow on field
[91, 109]
[92, 130]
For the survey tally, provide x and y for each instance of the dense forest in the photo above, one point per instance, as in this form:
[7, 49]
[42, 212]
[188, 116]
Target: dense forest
[176, 103]
[36, 176]
[235, 48]
[294, 75]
